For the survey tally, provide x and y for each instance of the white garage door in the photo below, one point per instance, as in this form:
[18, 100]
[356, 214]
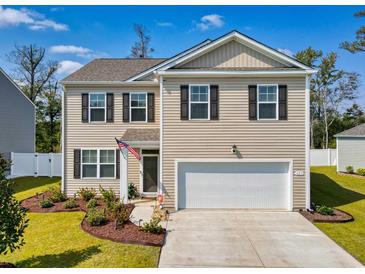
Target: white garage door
[233, 185]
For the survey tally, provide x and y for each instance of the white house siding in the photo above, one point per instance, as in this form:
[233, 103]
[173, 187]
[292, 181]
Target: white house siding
[80, 135]
[214, 139]
[351, 152]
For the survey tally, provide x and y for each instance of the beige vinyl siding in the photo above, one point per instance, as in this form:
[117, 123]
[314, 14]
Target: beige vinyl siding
[233, 54]
[214, 139]
[351, 152]
[99, 135]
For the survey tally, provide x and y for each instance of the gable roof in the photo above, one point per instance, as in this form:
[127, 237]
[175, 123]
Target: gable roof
[16, 86]
[112, 69]
[358, 131]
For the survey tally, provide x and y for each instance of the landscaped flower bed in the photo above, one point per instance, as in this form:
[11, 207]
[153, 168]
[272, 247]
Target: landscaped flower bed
[338, 216]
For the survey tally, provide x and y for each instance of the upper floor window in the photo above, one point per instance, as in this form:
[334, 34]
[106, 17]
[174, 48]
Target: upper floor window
[199, 102]
[97, 107]
[267, 102]
[138, 107]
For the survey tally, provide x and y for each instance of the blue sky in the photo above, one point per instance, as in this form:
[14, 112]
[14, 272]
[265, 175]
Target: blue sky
[74, 35]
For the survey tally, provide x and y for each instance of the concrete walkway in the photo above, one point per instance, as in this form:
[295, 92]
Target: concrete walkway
[142, 212]
[238, 238]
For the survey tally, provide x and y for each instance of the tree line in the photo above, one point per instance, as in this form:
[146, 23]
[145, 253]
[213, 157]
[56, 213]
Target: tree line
[331, 89]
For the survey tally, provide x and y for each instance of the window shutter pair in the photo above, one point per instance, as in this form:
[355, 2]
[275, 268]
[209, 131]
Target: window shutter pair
[283, 102]
[214, 102]
[150, 107]
[77, 163]
[109, 107]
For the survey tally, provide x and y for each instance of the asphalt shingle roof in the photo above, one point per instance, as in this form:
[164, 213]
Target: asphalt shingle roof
[112, 69]
[141, 134]
[355, 131]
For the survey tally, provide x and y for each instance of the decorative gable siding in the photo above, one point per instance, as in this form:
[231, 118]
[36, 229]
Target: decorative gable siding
[232, 55]
[214, 138]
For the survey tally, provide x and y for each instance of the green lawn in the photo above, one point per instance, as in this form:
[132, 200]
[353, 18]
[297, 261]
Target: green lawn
[28, 186]
[56, 240]
[346, 193]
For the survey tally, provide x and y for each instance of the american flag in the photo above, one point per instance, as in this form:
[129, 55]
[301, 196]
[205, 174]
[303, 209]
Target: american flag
[122, 145]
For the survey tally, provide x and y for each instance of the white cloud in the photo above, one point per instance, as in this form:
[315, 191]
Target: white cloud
[35, 21]
[71, 49]
[165, 24]
[68, 67]
[286, 51]
[210, 21]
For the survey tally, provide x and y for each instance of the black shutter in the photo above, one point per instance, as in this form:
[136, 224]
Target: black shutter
[252, 102]
[77, 163]
[214, 102]
[126, 107]
[184, 102]
[110, 107]
[85, 108]
[283, 102]
[151, 107]
[117, 163]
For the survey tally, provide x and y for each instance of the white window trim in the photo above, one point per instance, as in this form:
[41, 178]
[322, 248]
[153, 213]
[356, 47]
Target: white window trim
[130, 107]
[90, 107]
[208, 102]
[98, 164]
[276, 102]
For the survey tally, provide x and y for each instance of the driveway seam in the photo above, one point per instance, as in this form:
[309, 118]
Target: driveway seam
[244, 229]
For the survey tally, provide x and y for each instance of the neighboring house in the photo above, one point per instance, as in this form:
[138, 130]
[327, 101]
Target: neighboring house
[351, 148]
[17, 118]
[223, 124]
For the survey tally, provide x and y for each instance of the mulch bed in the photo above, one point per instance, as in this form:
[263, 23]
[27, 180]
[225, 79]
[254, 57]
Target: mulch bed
[339, 217]
[129, 234]
[6, 265]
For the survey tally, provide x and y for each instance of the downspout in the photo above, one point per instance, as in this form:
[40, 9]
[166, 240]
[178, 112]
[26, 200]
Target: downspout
[161, 135]
[307, 141]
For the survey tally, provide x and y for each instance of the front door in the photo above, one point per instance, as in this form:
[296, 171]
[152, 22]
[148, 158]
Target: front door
[150, 173]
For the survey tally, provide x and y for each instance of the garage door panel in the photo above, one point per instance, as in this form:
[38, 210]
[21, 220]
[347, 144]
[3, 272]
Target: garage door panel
[233, 185]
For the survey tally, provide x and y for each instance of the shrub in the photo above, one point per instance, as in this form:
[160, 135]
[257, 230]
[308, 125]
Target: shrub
[70, 204]
[153, 226]
[350, 169]
[13, 217]
[122, 216]
[109, 197]
[325, 210]
[96, 217]
[361, 171]
[132, 191]
[86, 194]
[56, 195]
[92, 203]
[46, 203]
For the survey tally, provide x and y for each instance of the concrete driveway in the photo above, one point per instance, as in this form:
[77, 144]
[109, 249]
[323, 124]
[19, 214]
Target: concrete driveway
[238, 238]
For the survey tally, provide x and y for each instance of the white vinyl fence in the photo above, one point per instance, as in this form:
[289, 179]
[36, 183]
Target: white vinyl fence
[323, 157]
[36, 164]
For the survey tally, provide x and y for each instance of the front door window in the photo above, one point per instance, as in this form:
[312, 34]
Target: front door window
[150, 173]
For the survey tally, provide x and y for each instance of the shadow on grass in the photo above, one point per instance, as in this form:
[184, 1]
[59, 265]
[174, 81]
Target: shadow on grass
[326, 191]
[26, 183]
[70, 258]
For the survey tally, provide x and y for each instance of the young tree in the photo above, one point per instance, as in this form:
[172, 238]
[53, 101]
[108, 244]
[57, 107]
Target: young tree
[32, 69]
[359, 44]
[13, 219]
[141, 48]
[49, 119]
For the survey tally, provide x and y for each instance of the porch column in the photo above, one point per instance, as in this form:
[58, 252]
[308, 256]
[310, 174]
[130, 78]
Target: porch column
[123, 178]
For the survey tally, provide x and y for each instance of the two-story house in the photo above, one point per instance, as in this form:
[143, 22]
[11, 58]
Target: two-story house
[224, 124]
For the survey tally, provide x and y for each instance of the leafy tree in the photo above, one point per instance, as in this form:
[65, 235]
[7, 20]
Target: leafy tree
[13, 219]
[353, 116]
[359, 44]
[141, 48]
[32, 69]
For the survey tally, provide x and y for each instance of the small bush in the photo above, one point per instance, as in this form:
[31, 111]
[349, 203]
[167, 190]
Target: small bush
[92, 203]
[56, 195]
[325, 210]
[86, 194]
[96, 217]
[46, 203]
[122, 216]
[109, 197]
[132, 191]
[350, 169]
[153, 226]
[69, 204]
[361, 171]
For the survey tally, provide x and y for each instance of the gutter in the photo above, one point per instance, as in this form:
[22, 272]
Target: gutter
[109, 83]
